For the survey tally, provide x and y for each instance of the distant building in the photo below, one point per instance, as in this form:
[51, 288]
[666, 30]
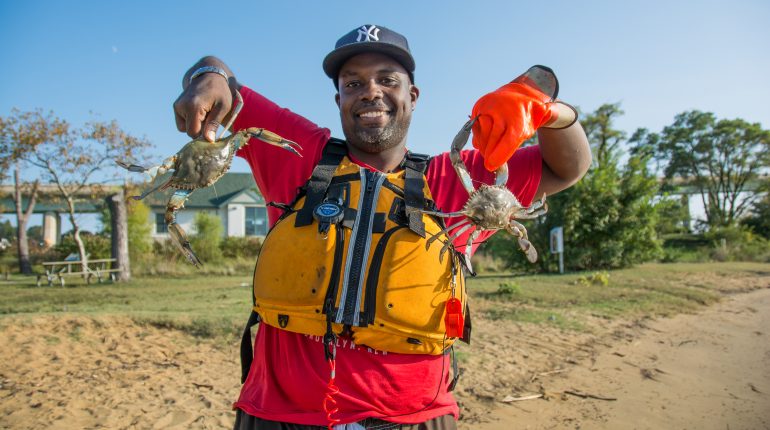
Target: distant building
[235, 199]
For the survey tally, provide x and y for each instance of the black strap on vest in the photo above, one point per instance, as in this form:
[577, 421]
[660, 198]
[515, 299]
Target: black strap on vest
[247, 352]
[415, 166]
[333, 153]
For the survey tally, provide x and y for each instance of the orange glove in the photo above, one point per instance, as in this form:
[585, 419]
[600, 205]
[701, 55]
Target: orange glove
[511, 114]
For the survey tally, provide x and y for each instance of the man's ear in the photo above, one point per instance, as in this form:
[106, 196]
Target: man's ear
[337, 99]
[414, 94]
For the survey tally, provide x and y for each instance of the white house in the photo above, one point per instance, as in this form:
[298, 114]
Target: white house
[234, 199]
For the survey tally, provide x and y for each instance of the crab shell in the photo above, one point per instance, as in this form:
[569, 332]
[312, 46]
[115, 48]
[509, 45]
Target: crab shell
[492, 206]
[201, 163]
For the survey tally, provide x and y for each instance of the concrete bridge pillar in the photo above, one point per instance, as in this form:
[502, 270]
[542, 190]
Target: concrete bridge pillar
[51, 228]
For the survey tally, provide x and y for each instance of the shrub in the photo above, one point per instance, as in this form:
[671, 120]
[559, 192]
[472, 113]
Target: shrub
[207, 238]
[737, 243]
[597, 278]
[97, 246]
[241, 247]
[139, 231]
[508, 289]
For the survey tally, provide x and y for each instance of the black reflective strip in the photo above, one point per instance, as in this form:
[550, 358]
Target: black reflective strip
[378, 225]
[374, 274]
[350, 177]
[393, 187]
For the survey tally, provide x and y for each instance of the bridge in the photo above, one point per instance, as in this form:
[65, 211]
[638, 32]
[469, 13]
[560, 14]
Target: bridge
[52, 205]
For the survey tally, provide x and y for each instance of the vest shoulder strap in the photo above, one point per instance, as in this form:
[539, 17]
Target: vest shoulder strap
[415, 166]
[333, 153]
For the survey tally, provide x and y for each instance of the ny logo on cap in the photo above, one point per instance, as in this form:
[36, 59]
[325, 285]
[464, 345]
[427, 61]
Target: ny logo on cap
[368, 34]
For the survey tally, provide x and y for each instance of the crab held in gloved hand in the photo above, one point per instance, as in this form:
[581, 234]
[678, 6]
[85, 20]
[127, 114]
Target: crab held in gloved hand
[200, 164]
[501, 122]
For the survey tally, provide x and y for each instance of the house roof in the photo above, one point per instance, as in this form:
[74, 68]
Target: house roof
[223, 191]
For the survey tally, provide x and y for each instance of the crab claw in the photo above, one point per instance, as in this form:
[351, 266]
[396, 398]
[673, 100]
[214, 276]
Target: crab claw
[528, 249]
[461, 139]
[180, 240]
[176, 233]
[275, 140]
[131, 167]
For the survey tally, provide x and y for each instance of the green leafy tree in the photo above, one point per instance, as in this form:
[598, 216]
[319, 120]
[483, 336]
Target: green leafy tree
[7, 231]
[609, 217]
[719, 157]
[759, 217]
[208, 237]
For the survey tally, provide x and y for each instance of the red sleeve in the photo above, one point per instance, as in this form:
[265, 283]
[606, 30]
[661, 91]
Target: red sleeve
[524, 171]
[277, 172]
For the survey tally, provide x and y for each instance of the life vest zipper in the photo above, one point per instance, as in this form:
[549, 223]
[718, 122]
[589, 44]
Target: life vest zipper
[358, 250]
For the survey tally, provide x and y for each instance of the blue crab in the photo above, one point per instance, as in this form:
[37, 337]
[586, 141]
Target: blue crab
[200, 164]
[490, 207]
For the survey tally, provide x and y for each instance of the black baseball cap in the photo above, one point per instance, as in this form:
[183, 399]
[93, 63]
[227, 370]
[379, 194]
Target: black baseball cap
[369, 38]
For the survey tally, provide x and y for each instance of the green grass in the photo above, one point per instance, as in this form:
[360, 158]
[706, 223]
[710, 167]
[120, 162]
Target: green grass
[202, 306]
[211, 306]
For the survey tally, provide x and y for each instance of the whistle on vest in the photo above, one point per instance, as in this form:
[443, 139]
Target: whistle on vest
[327, 213]
[454, 321]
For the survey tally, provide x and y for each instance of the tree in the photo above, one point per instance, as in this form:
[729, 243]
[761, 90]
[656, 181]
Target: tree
[21, 134]
[74, 163]
[119, 235]
[718, 157]
[609, 217]
[7, 231]
[604, 139]
[759, 217]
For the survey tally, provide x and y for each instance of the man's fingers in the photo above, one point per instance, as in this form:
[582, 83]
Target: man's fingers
[210, 130]
[194, 122]
[180, 122]
[213, 120]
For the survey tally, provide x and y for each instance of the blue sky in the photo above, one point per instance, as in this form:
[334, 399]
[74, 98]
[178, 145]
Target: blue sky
[124, 60]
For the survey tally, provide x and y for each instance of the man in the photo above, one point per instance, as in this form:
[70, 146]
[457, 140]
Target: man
[380, 382]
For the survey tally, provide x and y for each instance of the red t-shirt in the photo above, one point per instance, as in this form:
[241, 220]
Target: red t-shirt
[289, 375]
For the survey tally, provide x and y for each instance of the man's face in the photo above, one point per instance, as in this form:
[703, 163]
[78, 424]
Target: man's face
[376, 99]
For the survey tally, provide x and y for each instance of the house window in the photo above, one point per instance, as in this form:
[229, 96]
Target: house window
[160, 224]
[256, 221]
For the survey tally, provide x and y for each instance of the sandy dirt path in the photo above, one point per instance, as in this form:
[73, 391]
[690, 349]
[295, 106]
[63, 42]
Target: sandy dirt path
[710, 370]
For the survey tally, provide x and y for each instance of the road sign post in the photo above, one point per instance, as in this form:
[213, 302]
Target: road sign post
[557, 245]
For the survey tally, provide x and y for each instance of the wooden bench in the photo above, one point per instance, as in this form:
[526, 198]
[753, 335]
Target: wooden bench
[72, 267]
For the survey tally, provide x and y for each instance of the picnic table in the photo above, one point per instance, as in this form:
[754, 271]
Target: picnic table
[72, 266]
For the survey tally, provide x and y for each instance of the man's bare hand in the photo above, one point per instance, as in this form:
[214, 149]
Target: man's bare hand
[205, 102]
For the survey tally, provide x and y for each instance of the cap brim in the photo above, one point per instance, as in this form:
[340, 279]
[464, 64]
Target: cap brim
[334, 61]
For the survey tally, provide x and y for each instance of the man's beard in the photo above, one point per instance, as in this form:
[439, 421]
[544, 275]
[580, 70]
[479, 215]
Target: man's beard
[375, 140]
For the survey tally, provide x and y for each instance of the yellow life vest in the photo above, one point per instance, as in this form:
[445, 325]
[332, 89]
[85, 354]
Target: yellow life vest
[366, 271]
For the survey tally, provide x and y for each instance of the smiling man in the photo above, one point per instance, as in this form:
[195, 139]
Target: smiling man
[357, 314]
